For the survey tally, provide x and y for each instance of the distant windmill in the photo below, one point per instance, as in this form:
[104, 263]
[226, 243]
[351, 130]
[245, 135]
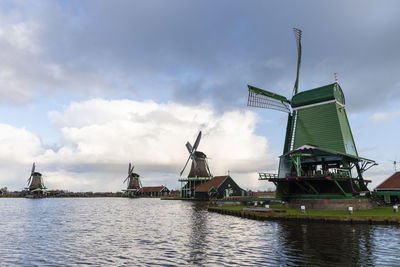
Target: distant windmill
[199, 171]
[199, 166]
[35, 181]
[133, 180]
[395, 162]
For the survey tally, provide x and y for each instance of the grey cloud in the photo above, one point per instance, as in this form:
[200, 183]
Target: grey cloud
[208, 51]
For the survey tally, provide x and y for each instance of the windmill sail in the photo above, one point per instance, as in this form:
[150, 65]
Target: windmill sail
[197, 142]
[297, 34]
[263, 99]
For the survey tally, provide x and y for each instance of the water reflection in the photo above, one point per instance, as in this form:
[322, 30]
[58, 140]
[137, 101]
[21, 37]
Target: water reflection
[199, 231]
[320, 244]
[147, 232]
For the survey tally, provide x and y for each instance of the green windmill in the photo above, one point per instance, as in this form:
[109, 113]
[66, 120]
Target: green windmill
[320, 158]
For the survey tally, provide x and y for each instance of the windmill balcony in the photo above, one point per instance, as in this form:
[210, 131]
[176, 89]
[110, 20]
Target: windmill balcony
[336, 173]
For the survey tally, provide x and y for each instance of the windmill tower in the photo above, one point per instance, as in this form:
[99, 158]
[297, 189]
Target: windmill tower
[199, 171]
[35, 182]
[133, 181]
[319, 153]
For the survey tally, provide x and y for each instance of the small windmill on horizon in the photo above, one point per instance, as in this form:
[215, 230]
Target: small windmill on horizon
[133, 181]
[35, 182]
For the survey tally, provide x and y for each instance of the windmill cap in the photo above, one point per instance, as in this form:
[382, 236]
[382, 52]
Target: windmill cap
[199, 154]
[318, 95]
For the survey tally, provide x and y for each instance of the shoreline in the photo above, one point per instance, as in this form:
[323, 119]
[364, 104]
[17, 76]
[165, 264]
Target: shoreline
[94, 196]
[282, 216]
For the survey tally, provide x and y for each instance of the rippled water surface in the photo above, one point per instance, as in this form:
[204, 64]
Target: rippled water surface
[135, 232]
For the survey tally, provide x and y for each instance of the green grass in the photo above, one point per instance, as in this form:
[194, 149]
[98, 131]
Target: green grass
[376, 212]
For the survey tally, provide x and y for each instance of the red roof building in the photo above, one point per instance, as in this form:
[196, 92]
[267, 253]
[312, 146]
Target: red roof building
[390, 189]
[152, 191]
[218, 187]
[213, 183]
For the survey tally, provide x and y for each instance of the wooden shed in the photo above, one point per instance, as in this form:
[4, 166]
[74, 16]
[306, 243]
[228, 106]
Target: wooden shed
[389, 190]
[218, 187]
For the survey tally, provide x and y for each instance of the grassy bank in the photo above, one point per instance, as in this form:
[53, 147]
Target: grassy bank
[379, 215]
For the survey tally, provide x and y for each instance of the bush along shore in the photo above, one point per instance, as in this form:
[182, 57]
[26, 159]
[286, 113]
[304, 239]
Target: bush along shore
[378, 215]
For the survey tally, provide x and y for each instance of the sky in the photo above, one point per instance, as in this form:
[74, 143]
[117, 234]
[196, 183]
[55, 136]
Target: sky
[88, 86]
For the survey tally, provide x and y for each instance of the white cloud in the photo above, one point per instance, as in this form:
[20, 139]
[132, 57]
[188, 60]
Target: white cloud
[115, 131]
[381, 117]
[19, 148]
[100, 137]
[18, 144]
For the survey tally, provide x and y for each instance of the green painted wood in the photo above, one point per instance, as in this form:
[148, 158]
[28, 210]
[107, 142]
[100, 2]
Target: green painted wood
[318, 95]
[340, 188]
[387, 193]
[324, 126]
[312, 187]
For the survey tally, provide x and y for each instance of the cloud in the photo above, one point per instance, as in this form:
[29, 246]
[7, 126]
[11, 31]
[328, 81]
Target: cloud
[275, 63]
[153, 135]
[381, 117]
[26, 68]
[189, 53]
[19, 148]
[100, 137]
[18, 144]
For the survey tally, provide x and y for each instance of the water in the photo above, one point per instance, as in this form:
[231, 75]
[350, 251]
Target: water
[142, 232]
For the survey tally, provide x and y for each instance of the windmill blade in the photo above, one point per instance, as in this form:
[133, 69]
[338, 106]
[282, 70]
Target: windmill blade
[194, 163]
[129, 169]
[126, 179]
[185, 165]
[41, 182]
[29, 180]
[196, 144]
[189, 147]
[263, 99]
[297, 34]
[33, 168]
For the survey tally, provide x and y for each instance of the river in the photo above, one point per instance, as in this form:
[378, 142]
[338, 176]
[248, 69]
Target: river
[153, 232]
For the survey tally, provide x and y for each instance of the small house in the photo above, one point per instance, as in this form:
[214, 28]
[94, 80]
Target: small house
[218, 187]
[389, 189]
[153, 191]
